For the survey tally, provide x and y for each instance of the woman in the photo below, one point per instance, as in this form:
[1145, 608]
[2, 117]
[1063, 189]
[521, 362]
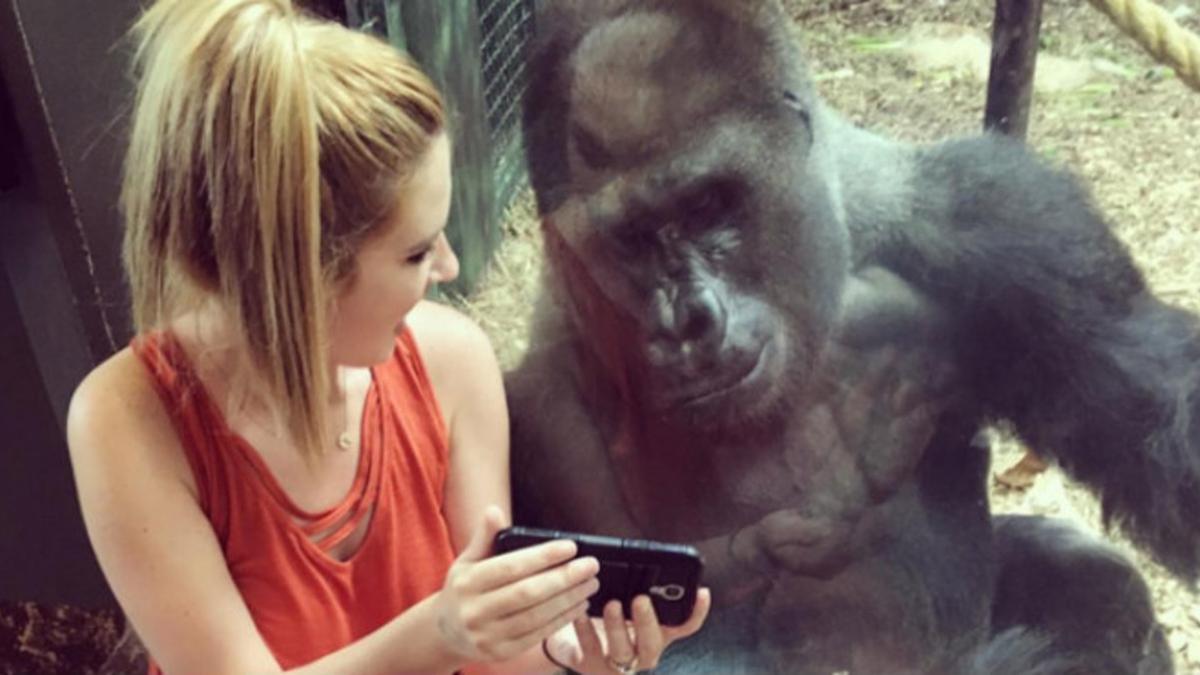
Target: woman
[299, 464]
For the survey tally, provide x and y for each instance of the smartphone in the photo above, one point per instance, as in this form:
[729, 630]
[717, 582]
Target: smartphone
[668, 573]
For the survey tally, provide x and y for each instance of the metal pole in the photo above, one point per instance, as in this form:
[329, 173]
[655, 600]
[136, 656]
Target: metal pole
[1014, 60]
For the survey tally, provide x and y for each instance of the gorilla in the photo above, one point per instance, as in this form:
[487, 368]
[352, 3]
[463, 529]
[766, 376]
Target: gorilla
[776, 336]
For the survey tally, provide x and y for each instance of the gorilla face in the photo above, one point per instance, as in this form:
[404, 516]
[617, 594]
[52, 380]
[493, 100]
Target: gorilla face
[690, 189]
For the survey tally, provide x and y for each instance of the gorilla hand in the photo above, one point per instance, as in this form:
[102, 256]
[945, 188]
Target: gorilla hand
[790, 540]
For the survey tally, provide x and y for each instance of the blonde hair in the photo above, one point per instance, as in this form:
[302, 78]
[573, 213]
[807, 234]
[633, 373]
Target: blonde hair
[266, 146]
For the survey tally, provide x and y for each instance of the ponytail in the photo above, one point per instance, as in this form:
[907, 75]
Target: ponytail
[247, 180]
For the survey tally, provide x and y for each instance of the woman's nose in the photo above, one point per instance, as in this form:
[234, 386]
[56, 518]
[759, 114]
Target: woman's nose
[445, 262]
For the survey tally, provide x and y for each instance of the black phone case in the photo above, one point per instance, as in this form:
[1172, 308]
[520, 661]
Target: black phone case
[668, 573]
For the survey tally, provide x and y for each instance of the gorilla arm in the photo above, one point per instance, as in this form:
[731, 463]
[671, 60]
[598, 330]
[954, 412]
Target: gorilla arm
[1062, 338]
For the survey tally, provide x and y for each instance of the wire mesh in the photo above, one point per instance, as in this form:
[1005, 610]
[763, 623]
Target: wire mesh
[506, 26]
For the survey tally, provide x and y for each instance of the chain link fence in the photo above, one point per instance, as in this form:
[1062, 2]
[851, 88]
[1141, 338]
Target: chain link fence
[475, 51]
[506, 26]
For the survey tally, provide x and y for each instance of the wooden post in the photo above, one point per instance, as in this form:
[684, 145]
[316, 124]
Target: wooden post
[1014, 60]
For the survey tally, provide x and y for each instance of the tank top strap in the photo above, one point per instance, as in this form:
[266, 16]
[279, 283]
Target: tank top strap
[197, 423]
[411, 418]
[410, 375]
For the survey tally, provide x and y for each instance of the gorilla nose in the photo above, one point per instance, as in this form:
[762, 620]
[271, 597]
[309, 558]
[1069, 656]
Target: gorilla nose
[688, 328]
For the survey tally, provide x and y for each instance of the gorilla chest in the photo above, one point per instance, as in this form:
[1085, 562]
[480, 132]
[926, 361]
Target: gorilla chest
[850, 442]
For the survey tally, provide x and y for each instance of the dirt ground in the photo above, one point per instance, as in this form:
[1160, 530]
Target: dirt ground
[913, 70]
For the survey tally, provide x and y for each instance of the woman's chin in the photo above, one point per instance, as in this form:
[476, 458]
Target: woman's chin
[384, 352]
[367, 355]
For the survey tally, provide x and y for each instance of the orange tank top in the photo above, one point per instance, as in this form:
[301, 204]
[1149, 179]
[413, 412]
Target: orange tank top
[305, 603]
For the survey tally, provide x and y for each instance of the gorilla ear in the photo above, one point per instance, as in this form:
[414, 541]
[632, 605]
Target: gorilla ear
[793, 101]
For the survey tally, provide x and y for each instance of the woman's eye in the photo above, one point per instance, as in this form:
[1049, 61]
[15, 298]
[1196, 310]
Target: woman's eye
[418, 258]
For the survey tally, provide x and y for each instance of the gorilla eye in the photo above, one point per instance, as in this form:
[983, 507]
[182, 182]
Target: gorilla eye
[710, 204]
[705, 203]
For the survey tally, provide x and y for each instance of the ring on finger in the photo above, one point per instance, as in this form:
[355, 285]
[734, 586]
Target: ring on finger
[624, 667]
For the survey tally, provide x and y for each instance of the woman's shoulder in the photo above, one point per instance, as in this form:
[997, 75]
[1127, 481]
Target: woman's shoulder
[116, 418]
[444, 335]
[112, 394]
[454, 349]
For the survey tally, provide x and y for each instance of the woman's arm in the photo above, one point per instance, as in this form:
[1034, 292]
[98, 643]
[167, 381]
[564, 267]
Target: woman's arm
[155, 546]
[470, 391]
[166, 568]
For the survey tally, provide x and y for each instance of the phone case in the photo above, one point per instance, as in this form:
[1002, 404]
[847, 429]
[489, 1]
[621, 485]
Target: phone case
[668, 573]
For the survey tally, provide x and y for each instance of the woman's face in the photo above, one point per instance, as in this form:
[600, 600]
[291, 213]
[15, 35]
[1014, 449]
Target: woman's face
[395, 267]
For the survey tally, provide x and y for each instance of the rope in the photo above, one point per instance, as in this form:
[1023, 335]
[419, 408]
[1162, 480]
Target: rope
[1158, 33]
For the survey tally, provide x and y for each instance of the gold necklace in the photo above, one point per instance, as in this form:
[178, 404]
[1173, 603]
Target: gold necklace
[345, 440]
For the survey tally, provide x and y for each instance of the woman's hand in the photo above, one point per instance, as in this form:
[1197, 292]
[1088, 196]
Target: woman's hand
[494, 608]
[623, 646]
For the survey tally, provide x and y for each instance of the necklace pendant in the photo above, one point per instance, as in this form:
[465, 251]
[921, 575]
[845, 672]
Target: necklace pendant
[345, 441]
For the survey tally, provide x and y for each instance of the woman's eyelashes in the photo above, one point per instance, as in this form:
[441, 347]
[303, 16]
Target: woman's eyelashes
[419, 257]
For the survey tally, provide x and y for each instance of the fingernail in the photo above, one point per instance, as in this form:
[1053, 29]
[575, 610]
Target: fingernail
[585, 566]
[643, 607]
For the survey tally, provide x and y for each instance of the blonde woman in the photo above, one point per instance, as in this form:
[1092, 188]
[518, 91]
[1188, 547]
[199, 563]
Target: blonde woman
[299, 465]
